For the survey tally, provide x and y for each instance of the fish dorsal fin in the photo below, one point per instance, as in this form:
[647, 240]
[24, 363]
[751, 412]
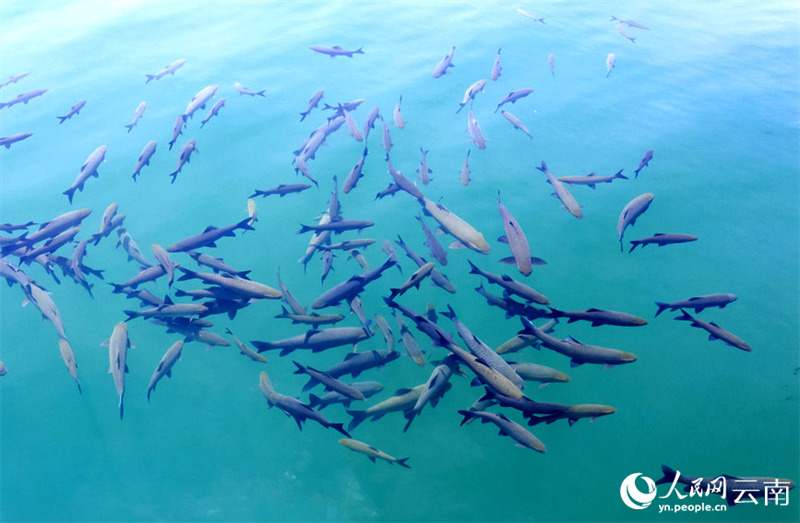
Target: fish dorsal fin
[209, 228]
[506, 277]
[502, 239]
[694, 298]
[350, 355]
[168, 300]
[594, 310]
[456, 244]
[570, 339]
[336, 47]
[400, 392]
[659, 234]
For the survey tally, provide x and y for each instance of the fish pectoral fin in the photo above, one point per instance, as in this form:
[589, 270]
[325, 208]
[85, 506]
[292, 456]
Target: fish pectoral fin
[126, 368]
[575, 363]
[168, 373]
[711, 337]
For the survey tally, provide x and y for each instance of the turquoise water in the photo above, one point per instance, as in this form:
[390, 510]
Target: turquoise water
[712, 88]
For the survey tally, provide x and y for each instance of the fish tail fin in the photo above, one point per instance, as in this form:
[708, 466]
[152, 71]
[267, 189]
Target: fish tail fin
[130, 126]
[622, 176]
[402, 463]
[467, 416]
[360, 50]
[118, 288]
[340, 427]
[149, 77]
[684, 316]
[634, 244]
[70, 193]
[303, 229]
[303, 115]
[661, 306]
[410, 415]
[669, 475]
[358, 417]
[131, 315]
[473, 269]
[313, 400]
[62, 118]
[393, 293]
[174, 175]
[245, 224]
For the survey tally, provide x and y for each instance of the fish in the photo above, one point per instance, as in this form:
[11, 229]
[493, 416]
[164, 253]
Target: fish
[289, 298]
[244, 90]
[137, 115]
[574, 413]
[516, 239]
[591, 179]
[386, 330]
[209, 236]
[69, 359]
[526, 406]
[3, 369]
[611, 59]
[475, 133]
[387, 139]
[483, 352]
[245, 350]
[294, 407]
[629, 23]
[369, 121]
[398, 115]
[403, 400]
[562, 193]
[600, 317]
[496, 68]
[355, 363]
[437, 385]
[335, 51]
[245, 288]
[184, 157]
[74, 110]
[528, 15]
[551, 64]
[327, 264]
[444, 64]
[350, 288]
[409, 342]
[89, 168]
[621, 30]
[404, 183]
[169, 69]
[144, 157]
[168, 310]
[317, 240]
[164, 260]
[465, 179]
[367, 388]
[424, 171]
[131, 248]
[23, 98]
[465, 233]
[11, 227]
[513, 96]
[577, 352]
[193, 330]
[371, 452]
[516, 123]
[472, 90]
[281, 190]
[715, 332]
[438, 279]
[507, 428]
[645, 161]
[661, 239]
[359, 258]
[540, 373]
[145, 275]
[352, 126]
[338, 226]
[312, 103]
[252, 211]
[177, 129]
[316, 340]
[165, 366]
[436, 249]
[698, 303]
[51, 246]
[76, 261]
[511, 286]
[413, 281]
[756, 487]
[7, 141]
[329, 382]
[42, 300]
[118, 345]
[390, 190]
[214, 111]
[199, 101]
[14, 79]
[310, 319]
[351, 182]
[631, 212]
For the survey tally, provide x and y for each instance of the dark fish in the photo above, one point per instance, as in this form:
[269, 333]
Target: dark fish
[698, 303]
[715, 332]
[662, 239]
[208, 237]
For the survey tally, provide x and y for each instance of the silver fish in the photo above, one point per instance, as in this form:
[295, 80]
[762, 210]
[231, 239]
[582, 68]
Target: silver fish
[144, 157]
[465, 179]
[137, 115]
[177, 129]
[245, 91]
[661, 239]
[507, 428]
[371, 452]
[645, 161]
[611, 59]
[562, 193]
[475, 132]
[631, 212]
[89, 168]
[316, 340]
[513, 96]
[312, 103]
[496, 68]
[118, 346]
[698, 303]
[165, 366]
[335, 51]
[445, 63]
[75, 109]
[591, 179]
[466, 234]
[8, 140]
[23, 98]
[163, 258]
[247, 351]
[516, 239]
[214, 111]
[715, 332]
[199, 101]
[184, 157]
[516, 123]
[170, 69]
[474, 89]
[398, 115]
[69, 360]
